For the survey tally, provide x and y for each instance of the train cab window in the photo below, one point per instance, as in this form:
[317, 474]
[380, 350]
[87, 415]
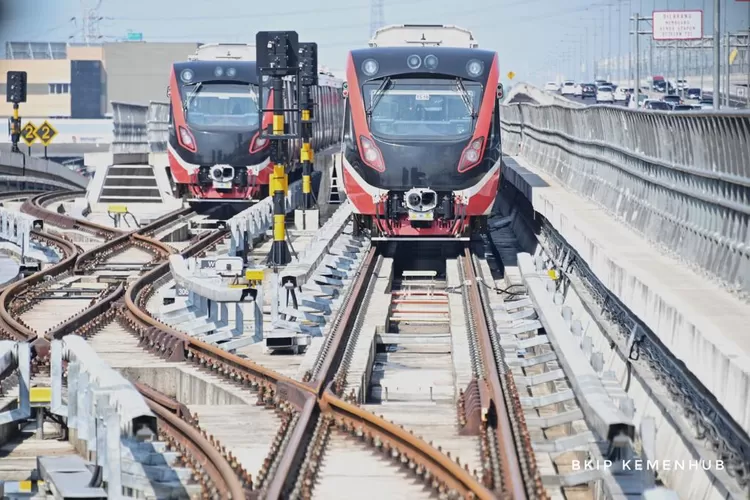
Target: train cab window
[221, 105]
[434, 108]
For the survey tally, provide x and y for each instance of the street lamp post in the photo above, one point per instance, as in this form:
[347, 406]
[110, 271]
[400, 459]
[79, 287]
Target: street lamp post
[717, 54]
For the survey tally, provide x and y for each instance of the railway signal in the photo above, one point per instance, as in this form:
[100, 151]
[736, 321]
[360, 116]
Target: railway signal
[15, 92]
[276, 56]
[308, 77]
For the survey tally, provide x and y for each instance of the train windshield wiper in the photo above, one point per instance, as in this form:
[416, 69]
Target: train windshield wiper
[468, 101]
[384, 86]
[192, 94]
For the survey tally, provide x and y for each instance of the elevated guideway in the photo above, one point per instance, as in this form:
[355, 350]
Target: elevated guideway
[45, 173]
[647, 212]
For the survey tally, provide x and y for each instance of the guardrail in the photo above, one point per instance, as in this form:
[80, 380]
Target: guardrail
[13, 163]
[681, 180]
[130, 129]
[158, 126]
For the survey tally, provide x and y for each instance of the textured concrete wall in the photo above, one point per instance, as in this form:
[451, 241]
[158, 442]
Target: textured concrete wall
[139, 72]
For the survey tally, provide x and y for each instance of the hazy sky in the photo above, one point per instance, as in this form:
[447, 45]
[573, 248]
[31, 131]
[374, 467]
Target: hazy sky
[529, 35]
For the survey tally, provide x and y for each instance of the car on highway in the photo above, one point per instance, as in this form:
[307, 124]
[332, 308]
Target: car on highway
[694, 93]
[551, 87]
[578, 91]
[642, 98]
[568, 88]
[706, 103]
[682, 84]
[621, 94]
[656, 105]
[588, 90]
[605, 94]
[672, 99]
[683, 107]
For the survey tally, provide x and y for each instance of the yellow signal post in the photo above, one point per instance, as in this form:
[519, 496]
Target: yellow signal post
[308, 217]
[276, 58]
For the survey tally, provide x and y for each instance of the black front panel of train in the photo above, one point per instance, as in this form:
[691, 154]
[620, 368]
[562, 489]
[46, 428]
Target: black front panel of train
[213, 148]
[422, 166]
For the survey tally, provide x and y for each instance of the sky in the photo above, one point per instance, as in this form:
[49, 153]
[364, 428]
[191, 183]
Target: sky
[530, 36]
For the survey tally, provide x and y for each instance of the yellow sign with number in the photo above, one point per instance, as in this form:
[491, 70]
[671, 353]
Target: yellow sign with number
[511, 75]
[28, 133]
[46, 132]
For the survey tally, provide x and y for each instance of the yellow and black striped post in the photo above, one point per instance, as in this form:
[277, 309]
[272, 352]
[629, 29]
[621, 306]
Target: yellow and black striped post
[280, 254]
[306, 153]
[15, 133]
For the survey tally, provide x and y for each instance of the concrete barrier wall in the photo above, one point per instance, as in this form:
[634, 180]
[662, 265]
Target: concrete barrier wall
[12, 163]
[158, 126]
[130, 129]
[681, 180]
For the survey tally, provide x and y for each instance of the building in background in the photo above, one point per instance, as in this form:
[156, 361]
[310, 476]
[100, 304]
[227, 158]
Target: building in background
[79, 81]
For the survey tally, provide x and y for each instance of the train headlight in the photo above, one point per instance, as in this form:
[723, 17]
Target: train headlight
[371, 154]
[217, 173]
[471, 155]
[475, 68]
[258, 143]
[370, 67]
[231, 72]
[187, 75]
[218, 72]
[431, 62]
[414, 61]
[186, 139]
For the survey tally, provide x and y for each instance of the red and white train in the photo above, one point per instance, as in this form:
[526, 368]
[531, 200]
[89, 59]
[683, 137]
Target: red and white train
[215, 153]
[421, 138]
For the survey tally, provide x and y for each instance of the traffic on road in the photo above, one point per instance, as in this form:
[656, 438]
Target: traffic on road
[660, 95]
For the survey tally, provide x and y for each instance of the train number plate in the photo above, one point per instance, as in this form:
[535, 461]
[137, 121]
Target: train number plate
[421, 216]
[222, 185]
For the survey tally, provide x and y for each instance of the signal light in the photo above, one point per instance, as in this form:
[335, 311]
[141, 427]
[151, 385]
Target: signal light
[471, 156]
[15, 91]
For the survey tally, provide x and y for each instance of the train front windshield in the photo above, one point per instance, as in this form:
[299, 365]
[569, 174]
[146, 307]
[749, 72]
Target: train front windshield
[221, 105]
[422, 109]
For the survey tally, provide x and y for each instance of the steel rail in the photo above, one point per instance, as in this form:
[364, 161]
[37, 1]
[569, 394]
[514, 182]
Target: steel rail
[196, 448]
[494, 410]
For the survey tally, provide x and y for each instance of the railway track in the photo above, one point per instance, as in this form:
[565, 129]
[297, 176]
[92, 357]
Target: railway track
[319, 403]
[321, 417]
[30, 308]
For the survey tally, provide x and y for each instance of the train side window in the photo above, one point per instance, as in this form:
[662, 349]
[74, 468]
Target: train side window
[495, 131]
[347, 125]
